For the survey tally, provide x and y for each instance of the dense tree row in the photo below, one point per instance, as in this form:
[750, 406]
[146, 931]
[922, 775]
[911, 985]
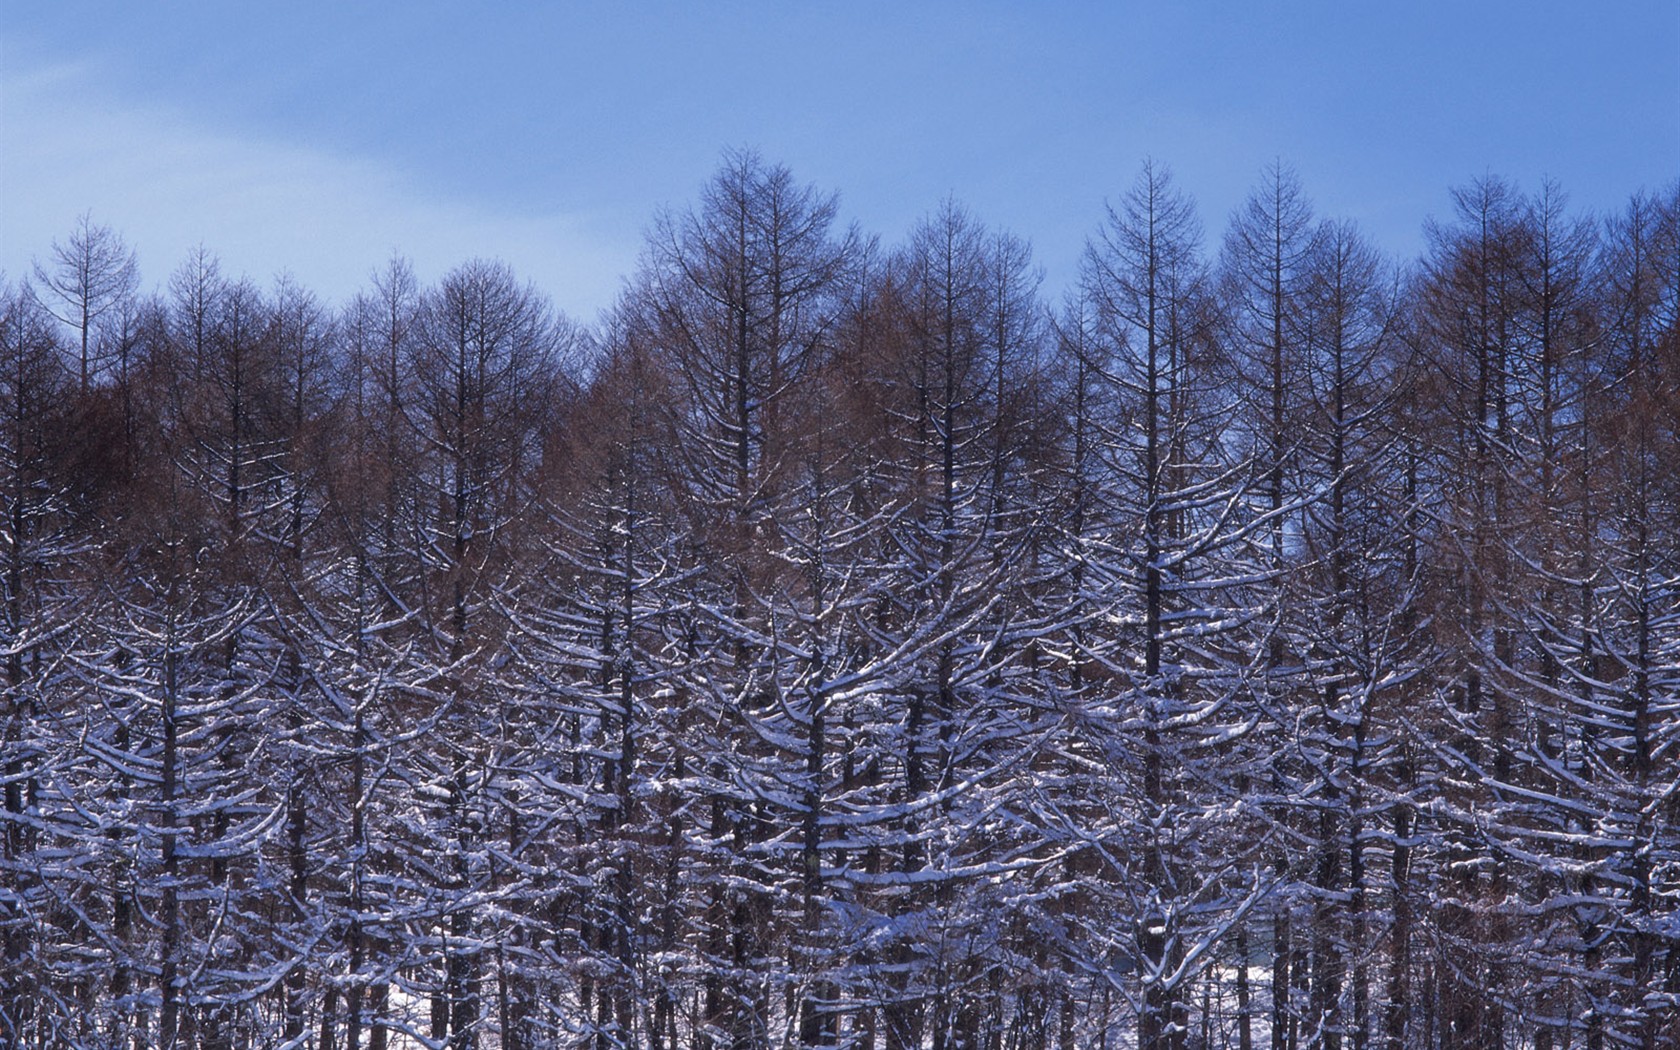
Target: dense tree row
[838, 646]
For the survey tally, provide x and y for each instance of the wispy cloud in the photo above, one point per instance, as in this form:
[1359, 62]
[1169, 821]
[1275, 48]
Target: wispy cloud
[168, 184]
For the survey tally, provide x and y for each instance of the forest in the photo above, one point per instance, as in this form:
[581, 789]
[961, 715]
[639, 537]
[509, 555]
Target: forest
[1268, 644]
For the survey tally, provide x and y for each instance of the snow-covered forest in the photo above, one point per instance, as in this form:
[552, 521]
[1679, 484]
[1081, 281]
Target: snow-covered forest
[1269, 644]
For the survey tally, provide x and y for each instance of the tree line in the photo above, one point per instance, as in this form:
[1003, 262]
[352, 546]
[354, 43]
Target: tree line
[1270, 645]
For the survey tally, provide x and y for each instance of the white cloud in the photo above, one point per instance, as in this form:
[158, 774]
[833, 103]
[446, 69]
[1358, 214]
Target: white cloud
[168, 184]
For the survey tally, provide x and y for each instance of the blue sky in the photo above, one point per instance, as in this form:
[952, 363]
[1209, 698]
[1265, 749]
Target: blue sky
[320, 138]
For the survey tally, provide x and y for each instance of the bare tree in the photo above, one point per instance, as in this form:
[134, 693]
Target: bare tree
[89, 275]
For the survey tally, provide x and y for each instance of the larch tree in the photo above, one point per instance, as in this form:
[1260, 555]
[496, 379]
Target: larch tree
[1177, 562]
[828, 649]
[1263, 269]
[1636, 426]
[90, 278]
[740, 295]
[37, 612]
[1355, 587]
[483, 357]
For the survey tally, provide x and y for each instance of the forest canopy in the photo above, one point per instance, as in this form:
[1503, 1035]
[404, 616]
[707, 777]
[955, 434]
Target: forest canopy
[1271, 643]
